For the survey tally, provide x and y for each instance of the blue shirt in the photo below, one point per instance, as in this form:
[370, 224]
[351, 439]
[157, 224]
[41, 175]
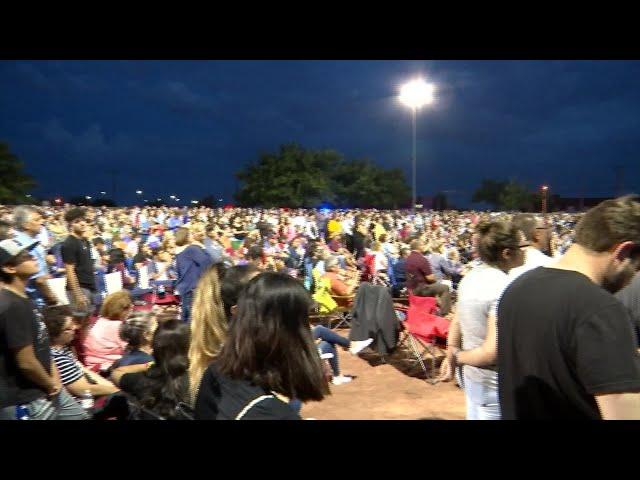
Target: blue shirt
[134, 357]
[441, 266]
[190, 263]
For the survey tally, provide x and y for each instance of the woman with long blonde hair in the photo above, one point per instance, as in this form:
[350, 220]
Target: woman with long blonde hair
[208, 325]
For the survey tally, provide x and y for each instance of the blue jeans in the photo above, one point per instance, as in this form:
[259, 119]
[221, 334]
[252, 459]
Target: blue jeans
[61, 407]
[185, 311]
[482, 401]
[328, 345]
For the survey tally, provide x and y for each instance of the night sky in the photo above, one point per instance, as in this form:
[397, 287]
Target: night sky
[184, 127]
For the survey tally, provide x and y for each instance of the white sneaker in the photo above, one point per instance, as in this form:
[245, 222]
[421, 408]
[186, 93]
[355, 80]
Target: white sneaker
[359, 345]
[340, 379]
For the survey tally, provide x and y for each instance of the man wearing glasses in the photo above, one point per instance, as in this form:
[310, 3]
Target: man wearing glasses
[537, 234]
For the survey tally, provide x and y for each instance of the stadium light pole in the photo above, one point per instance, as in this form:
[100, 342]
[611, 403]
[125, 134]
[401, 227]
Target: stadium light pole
[415, 94]
[544, 189]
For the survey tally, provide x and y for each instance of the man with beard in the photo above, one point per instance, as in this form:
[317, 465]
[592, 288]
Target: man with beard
[566, 346]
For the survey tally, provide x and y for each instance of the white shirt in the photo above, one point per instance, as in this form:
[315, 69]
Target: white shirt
[534, 258]
[478, 295]
[347, 226]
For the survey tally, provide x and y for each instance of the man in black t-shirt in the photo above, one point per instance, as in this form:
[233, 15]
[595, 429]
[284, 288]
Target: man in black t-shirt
[76, 255]
[566, 346]
[28, 376]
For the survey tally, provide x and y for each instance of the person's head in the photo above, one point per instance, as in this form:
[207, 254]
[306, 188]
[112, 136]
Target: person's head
[60, 324]
[404, 252]
[269, 342]
[417, 245]
[16, 261]
[116, 256]
[500, 244]
[117, 306]
[611, 231]
[208, 324]
[6, 231]
[138, 330]
[212, 232]
[234, 280]
[27, 219]
[99, 244]
[331, 264]
[182, 237]
[255, 253]
[534, 229]
[197, 232]
[77, 221]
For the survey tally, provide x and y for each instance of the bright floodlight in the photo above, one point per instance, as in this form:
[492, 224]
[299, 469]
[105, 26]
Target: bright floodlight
[88, 197]
[139, 192]
[172, 197]
[544, 187]
[416, 93]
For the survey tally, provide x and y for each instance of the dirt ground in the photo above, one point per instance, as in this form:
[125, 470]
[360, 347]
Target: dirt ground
[393, 390]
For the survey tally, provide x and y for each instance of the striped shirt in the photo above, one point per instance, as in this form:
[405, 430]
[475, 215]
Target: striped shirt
[67, 364]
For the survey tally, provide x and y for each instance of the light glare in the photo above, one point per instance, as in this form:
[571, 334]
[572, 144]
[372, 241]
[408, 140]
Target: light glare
[416, 93]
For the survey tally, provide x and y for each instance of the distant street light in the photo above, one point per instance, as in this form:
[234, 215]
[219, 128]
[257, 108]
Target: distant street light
[195, 202]
[159, 199]
[139, 192]
[172, 197]
[415, 95]
[103, 193]
[87, 197]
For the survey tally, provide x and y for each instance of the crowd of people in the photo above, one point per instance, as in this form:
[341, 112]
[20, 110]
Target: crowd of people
[533, 330]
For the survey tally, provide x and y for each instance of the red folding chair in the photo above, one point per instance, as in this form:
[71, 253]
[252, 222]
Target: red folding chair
[422, 328]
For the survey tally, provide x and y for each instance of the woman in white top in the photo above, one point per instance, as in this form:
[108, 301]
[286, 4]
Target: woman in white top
[472, 334]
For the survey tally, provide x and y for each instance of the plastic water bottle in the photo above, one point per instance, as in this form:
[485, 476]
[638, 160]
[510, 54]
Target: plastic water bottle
[86, 400]
[22, 412]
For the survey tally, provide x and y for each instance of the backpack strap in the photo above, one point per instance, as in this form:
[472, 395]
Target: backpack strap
[250, 405]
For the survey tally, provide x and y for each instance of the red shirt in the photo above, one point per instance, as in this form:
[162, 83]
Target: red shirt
[417, 267]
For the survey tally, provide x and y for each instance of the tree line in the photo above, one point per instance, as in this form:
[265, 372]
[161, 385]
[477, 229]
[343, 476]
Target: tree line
[296, 177]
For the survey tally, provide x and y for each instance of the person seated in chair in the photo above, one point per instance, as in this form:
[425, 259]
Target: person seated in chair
[342, 284]
[102, 345]
[73, 375]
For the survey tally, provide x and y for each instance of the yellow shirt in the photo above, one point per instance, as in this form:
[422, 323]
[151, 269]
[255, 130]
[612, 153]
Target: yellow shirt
[377, 231]
[334, 227]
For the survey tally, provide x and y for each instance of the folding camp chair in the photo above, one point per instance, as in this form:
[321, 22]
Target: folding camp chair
[421, 329]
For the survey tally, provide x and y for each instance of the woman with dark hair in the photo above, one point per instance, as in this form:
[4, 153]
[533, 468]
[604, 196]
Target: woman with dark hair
[137, 332]
[165, 384]
[269, 356]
